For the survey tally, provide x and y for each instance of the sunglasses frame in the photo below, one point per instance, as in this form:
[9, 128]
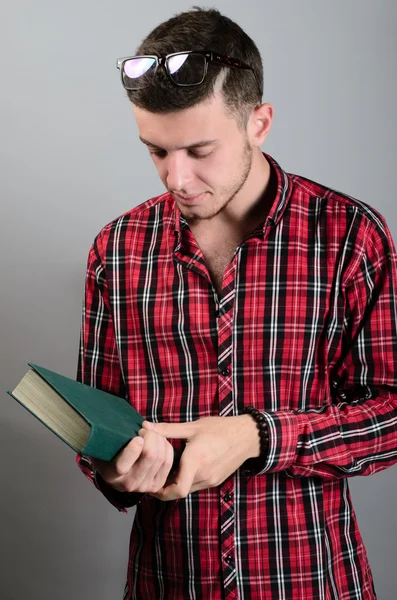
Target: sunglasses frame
[209, 55]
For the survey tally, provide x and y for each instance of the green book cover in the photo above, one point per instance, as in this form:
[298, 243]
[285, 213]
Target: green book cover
[112, 421]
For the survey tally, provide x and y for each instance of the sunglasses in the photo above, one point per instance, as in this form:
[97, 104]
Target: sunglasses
[183, 68]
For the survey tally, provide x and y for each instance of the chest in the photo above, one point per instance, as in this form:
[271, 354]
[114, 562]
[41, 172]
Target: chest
[218, 251]
[217, 258]
[177, 342]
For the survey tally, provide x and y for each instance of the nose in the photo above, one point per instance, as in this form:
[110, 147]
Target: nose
[178, 173]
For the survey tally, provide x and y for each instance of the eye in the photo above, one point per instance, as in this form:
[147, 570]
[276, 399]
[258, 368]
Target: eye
[198, 156]
[158, 153]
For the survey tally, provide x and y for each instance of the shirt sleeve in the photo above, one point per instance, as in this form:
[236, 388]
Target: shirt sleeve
[98, 362]
[355, 431]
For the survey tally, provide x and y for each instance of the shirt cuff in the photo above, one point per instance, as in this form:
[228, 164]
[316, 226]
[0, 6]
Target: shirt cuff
[283, 440]
[121, 500]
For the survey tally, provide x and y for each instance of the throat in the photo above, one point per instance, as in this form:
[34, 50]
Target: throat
[217, 264]
[218, 251]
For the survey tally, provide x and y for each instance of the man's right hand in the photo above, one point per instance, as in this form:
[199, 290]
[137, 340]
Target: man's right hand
[142, 466]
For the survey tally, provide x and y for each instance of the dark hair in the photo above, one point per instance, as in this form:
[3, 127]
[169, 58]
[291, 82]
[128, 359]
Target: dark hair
[203, 29]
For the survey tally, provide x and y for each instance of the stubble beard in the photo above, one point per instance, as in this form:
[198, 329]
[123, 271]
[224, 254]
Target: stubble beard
[231, 191]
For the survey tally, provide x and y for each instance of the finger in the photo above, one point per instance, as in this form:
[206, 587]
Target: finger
[133, 475]
[161, 476]
[176, 431]
[153, 457]
[115, 470]
[148, 425]
[183, 481]
[125, 460]
[121, 464]
[150, 461]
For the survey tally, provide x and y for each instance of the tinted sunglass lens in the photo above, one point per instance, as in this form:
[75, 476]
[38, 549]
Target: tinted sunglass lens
[186, 69]
[136, 71]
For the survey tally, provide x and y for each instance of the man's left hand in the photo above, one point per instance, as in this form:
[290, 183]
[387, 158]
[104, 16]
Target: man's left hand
[215, 448]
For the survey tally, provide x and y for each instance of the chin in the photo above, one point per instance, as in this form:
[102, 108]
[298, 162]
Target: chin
[197, 215]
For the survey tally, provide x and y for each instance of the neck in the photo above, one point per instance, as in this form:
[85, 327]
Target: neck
[250, 206]
[257, 196]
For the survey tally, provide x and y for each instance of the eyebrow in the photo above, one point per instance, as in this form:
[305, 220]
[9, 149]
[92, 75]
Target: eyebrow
[189, 147]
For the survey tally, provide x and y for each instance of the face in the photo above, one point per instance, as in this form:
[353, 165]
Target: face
[202, 157]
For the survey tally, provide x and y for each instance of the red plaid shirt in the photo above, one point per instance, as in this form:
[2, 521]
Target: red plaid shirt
[305, 329]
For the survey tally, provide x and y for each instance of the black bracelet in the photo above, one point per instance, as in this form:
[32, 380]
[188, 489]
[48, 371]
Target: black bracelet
[261, 422]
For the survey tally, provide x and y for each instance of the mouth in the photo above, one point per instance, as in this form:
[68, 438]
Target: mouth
[188, 200]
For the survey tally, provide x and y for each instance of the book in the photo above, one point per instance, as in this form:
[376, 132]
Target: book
[92, 422]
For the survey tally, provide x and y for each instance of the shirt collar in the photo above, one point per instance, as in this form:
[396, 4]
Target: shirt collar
[284, 191]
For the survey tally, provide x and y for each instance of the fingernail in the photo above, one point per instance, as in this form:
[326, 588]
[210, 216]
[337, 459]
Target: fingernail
[139, 440]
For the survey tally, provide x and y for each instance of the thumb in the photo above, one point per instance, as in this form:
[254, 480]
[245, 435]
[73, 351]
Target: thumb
[127, 457]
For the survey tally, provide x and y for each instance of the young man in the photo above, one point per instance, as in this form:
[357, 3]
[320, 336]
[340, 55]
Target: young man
[240, 286]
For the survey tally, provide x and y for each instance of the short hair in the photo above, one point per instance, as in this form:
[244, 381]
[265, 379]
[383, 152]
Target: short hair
[203, 29]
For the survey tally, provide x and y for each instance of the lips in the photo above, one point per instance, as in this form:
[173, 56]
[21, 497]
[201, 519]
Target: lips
[189, 199]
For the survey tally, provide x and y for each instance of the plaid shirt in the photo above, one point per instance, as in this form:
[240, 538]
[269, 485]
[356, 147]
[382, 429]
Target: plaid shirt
[305, 329]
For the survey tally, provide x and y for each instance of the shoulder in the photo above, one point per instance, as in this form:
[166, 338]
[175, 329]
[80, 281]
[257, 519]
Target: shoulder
[336, 200]
[136, 222]
[340, 211]
[342, 225]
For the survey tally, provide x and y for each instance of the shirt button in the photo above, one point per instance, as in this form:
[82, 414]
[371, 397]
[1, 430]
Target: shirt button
[224, 372]
[246, 472]
[229, 560]
[227, 497]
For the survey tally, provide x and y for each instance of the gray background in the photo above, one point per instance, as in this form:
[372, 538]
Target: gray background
[71, 162]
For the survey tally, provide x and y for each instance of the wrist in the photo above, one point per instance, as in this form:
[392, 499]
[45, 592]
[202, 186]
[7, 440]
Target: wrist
[126, 499]
[261, 444]
[252, 443]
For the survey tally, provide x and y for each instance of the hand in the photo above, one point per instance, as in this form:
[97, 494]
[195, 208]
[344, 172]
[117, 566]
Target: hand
[142, 466]
[215, 448]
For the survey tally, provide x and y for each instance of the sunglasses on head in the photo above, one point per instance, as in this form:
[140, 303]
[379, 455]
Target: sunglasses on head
[183, 68]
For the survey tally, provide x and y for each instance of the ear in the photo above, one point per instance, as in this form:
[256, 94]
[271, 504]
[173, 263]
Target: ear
[259, 124]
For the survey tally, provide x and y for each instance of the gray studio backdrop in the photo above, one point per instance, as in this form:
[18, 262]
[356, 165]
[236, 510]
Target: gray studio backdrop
[71, 162]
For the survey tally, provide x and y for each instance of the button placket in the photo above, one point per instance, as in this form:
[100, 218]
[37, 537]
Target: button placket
[226, 408]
